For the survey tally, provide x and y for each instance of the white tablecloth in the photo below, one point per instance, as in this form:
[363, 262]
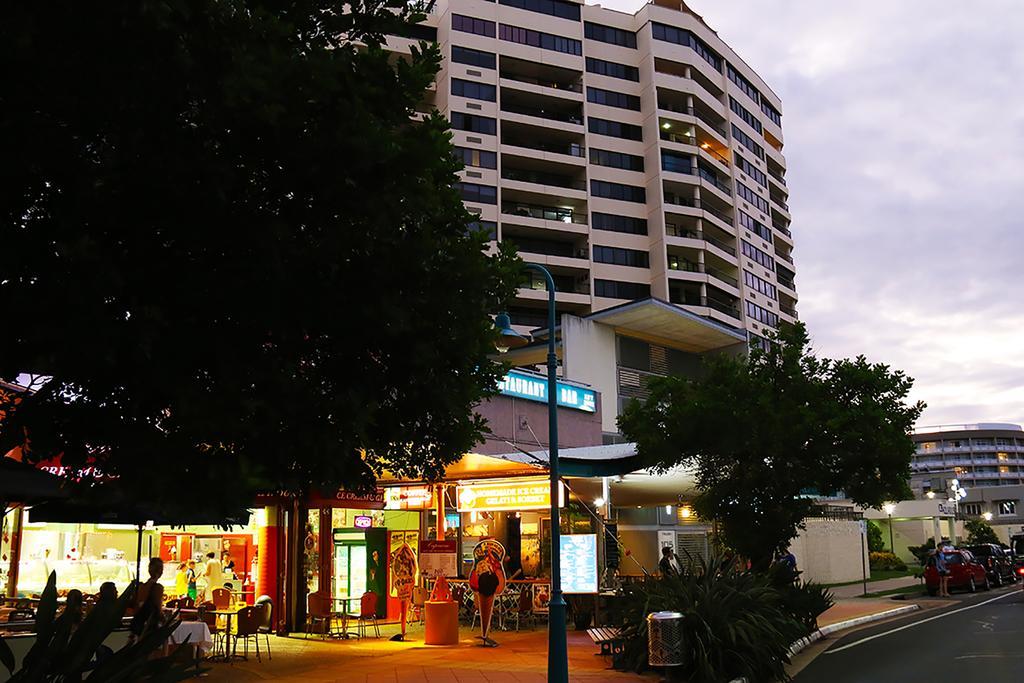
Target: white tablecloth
[199, 632]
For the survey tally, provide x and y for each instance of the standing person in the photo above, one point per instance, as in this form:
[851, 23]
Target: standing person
[227, 563]
[108, 592]
[669, 565]
[149, 601]
[943, 569]
[190, 579]
[214, 575]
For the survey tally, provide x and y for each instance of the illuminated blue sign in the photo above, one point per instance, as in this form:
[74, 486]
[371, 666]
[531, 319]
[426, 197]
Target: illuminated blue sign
[534, 388]
[579, 563]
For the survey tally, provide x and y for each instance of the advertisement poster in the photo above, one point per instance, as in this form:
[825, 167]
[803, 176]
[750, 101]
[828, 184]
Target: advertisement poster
[439, 558]
[404, 572]
[579, 563]
[541, 597]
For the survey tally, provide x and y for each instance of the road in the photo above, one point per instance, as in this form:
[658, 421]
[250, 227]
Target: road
[978, 637]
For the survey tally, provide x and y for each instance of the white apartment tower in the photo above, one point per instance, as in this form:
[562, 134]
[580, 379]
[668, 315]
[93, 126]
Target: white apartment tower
[635, 156]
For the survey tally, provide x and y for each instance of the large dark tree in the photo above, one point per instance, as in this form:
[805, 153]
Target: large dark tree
[231, 256]
[763, 434]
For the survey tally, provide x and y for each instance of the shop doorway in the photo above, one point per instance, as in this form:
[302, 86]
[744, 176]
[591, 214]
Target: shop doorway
[360, 565]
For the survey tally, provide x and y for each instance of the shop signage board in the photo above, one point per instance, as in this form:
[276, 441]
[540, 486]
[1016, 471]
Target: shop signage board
[534, 388]
[439, 558]
[409, 498]
[509, 494]
[579, 563]
[349, 499]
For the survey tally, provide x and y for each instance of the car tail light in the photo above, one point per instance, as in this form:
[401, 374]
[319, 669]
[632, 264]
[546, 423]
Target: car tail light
[1020, 570]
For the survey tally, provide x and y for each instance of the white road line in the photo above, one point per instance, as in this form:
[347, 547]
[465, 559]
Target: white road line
[918, 623]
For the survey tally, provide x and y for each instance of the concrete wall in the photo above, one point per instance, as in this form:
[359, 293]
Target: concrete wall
[830, 551]
[589, 356]
[512, 419]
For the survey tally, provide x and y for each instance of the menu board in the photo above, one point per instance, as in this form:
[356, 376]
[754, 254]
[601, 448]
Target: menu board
[579, 563]
[439, 558]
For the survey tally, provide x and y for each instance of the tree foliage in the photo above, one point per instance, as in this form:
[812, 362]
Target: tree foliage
[980, 531]
[227, 251]
[875, 542]
[764, 434]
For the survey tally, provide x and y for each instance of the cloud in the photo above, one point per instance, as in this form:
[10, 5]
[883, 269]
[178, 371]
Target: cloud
[904, 126]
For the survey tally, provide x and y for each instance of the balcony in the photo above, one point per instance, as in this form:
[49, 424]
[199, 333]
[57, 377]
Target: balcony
[711, 178]
[788, 310]
[572, 149]
[778, 176]
[544, 247]
[543, 178]
[779, 200]
[544, 75]
[785, 257]
[551, 113]
[547, 213]
[782, 228]
[704, 117]
[673, 230]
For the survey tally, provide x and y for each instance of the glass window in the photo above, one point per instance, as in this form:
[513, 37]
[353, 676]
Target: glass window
[762, 315]
[554, 8]
[609, 34]
[634, 353]
[756, 255]
[749, 195]
[756, 174]
[771, 112]
[613, 223]
[481, 27]
[749, 118]
[474, 90]
[545, 41]
[482, 194]
[746, 86]
[490, 228]
[626, 193]
[760, 285]
[750, 223]
[677, 163]
[629, 162]
[479, 158]
[474, 124]
[622, 257]
[671, 34]
[613, 69]
[613, 99]
[464, 55]
[747, 142]
[1007, 507]
[614, 289]
[614, 129]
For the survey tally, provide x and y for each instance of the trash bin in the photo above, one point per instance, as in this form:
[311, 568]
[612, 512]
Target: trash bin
[665, 639]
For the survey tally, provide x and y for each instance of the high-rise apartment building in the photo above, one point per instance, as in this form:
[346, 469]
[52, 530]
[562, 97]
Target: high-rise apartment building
[633, 155]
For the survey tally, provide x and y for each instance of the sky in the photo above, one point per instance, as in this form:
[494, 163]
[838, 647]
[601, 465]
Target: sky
[904, 132]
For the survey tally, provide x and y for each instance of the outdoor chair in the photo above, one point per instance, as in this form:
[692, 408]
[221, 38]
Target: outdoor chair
[216, 632]
[247, 625]
[318, 611]
[222, 598]
[419, 601]
[266, 604]
[367, 613]
[523, 608]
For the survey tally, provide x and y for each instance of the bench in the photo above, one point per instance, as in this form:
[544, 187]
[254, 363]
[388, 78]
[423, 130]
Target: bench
[610, 639]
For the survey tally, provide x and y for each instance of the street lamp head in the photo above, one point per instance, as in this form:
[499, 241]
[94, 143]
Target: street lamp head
[889, 508]
[987, 516]
[507, 337]
[930, 494]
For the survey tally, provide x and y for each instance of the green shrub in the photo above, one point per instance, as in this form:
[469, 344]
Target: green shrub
[887, 560]
[921, 551]
[736, 623]
[875, 542]
[979, 531]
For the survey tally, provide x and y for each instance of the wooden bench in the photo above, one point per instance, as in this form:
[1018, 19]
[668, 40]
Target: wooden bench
[610, 639]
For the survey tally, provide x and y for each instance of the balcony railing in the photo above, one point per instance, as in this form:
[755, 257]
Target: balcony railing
[788, 284]
[784, 257]
[546, 247]
[563, 283]
[571, 149]
[782, 228]
[673, 230]
[565, 117]
[788, 310]
[778, 200]
[720, 244]
[693, 203]
[690, 111]
[547, 213]
[680, 138]
[713, 179]
[541, 178]
[777, 176]
[718, 274]
[547, 83]
[722, 307]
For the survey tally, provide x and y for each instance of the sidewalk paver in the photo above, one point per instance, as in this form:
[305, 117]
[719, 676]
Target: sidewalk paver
[856, 589]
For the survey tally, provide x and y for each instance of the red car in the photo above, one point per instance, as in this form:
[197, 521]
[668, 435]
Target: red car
[964, 572]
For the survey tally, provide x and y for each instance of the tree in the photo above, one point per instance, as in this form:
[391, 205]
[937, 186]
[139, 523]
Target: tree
[875, 542]
[230, 259]
[765, 434]
[980, 531]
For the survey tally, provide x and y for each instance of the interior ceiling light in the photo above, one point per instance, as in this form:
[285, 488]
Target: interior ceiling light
[666, 125]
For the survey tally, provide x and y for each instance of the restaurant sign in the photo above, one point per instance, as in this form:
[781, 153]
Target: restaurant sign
[409, 498]
[521, 494]
[533, 388]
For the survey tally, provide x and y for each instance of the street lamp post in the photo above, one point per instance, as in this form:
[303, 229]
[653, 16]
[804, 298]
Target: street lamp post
[889, 509]
[558, 655]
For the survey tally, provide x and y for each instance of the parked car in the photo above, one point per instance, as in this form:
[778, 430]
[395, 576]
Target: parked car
[964, 572]
[998, 563]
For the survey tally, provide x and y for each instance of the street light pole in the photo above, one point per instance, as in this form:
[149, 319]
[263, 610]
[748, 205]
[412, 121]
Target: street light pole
[889, 509]
[558, 654]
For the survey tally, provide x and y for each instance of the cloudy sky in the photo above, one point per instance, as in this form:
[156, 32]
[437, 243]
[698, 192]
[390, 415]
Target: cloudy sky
[904, 123]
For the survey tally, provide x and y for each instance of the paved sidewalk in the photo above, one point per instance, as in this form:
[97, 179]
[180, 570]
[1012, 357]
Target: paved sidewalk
[857, 589]
[854, 608]
[521, 657]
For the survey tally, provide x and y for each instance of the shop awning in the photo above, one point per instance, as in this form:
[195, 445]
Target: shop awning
[587, 461]
[92, 509]
[23, 483]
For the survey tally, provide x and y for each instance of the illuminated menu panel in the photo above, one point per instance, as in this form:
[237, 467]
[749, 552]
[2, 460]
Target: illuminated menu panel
[518, 494]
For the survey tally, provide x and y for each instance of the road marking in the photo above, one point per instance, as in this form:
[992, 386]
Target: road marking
[994, 656]
[918, 623]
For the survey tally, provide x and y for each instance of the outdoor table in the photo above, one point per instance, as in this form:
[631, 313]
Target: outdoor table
[441, 622]
[198, 635]
[345, 614]
[228, 615]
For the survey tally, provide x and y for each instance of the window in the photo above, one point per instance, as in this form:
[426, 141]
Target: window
[755, 226]
[771, 112]
[740, 111]
[757, 256]
[555, 8]
[480, 158]
[481, 27]
[762, 315]
[747, 142]
[474, 90]
[756, 174]
[489, 228]
[677, 163]
[613, 69]
[671, 34]
[613, 289]
[610, 222]
[627, 193]
[1006, 508]
[622, 257]
[744, 85]
[749, 195]
[464, 55]
[614, 129]
[609, 34]
[613, 99]
[545, 41]
[759, 285]
[474, 124]
[629, 162]
[419, 32]
[482, 194]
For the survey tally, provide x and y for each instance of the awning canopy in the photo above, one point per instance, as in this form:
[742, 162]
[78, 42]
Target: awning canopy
[23, 483]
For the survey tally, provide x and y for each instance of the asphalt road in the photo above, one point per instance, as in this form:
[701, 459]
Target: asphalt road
[979, 638]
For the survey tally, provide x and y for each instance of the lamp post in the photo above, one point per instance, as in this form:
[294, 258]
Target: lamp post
[558, 655]
[889, 509]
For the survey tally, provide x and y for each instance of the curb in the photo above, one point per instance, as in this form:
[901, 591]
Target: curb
[799, 645]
